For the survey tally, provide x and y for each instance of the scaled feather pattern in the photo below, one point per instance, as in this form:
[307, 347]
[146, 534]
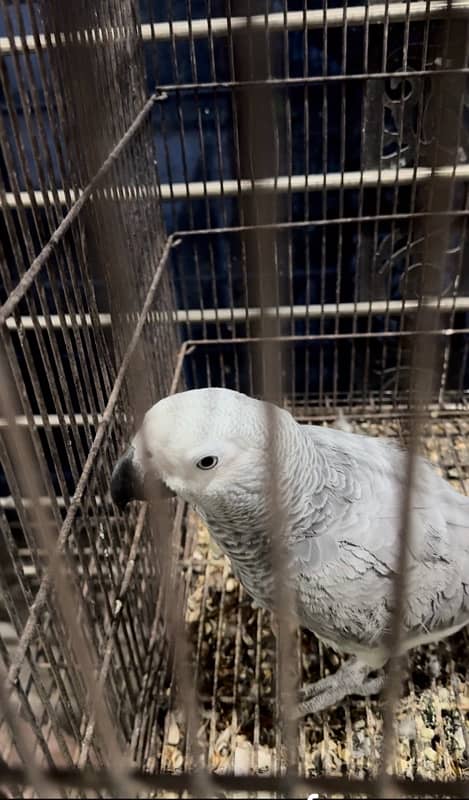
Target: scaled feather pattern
[341, 494]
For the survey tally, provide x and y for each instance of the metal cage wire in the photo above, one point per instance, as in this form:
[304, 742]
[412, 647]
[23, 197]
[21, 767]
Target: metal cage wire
[272, 201]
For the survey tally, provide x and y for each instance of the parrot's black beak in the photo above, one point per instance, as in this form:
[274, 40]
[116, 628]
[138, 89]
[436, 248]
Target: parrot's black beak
[127, 482]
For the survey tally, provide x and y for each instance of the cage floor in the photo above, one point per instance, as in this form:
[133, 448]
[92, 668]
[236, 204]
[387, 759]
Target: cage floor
[235, 666]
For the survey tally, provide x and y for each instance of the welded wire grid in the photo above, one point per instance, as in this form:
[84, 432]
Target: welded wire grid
[76, 643]
[239, 291]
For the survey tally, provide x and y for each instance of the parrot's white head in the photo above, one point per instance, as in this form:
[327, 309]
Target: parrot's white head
[200, 443]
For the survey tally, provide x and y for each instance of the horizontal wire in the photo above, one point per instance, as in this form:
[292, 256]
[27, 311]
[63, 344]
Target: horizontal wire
[330, 310]
[42, 593]
[314, 182]
[53, 419]
[230, 187]
[298, 20]
[362, 308]
[309, 80]
[275, 22]
[89, 778]
[308, 223]
[7, 502]
[260, 21]
[50, 197]
[192, 343]
[27, 279]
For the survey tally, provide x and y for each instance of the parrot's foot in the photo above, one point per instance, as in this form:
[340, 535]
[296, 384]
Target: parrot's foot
[353, 677]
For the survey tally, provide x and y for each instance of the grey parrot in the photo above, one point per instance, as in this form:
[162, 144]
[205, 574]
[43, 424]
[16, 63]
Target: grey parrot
[341, 494]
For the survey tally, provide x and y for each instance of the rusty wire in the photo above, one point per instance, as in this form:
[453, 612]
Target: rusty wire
[88, 778]
[119, 620]
[108, 639]
[423, 360]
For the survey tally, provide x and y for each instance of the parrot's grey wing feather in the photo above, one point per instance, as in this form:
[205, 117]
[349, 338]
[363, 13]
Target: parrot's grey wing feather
[346, 560]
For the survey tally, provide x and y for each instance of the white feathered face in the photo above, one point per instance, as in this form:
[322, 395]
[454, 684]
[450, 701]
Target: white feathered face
[199, 443]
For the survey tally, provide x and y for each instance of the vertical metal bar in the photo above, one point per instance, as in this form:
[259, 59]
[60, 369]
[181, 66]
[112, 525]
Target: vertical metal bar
[372, 138]
[121, 626]
[381, 286]
[218, 97]
[307, 250]
[375, 286]
[47, 180]
[413, 224]
[24, 463]
[424, 351]
[235, 101]
[361, 257]
[23, 746]
[340, 248]
[259, 156]
[324, 202]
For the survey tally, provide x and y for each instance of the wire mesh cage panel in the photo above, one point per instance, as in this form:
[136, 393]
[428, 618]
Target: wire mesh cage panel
[267, 197]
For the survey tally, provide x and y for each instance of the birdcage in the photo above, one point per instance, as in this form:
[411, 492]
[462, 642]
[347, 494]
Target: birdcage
[269, 197]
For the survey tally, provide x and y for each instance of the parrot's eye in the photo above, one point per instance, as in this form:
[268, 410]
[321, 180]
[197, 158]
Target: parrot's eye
[207, 462]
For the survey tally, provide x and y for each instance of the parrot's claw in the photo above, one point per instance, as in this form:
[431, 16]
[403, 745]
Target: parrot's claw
[352, 678]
